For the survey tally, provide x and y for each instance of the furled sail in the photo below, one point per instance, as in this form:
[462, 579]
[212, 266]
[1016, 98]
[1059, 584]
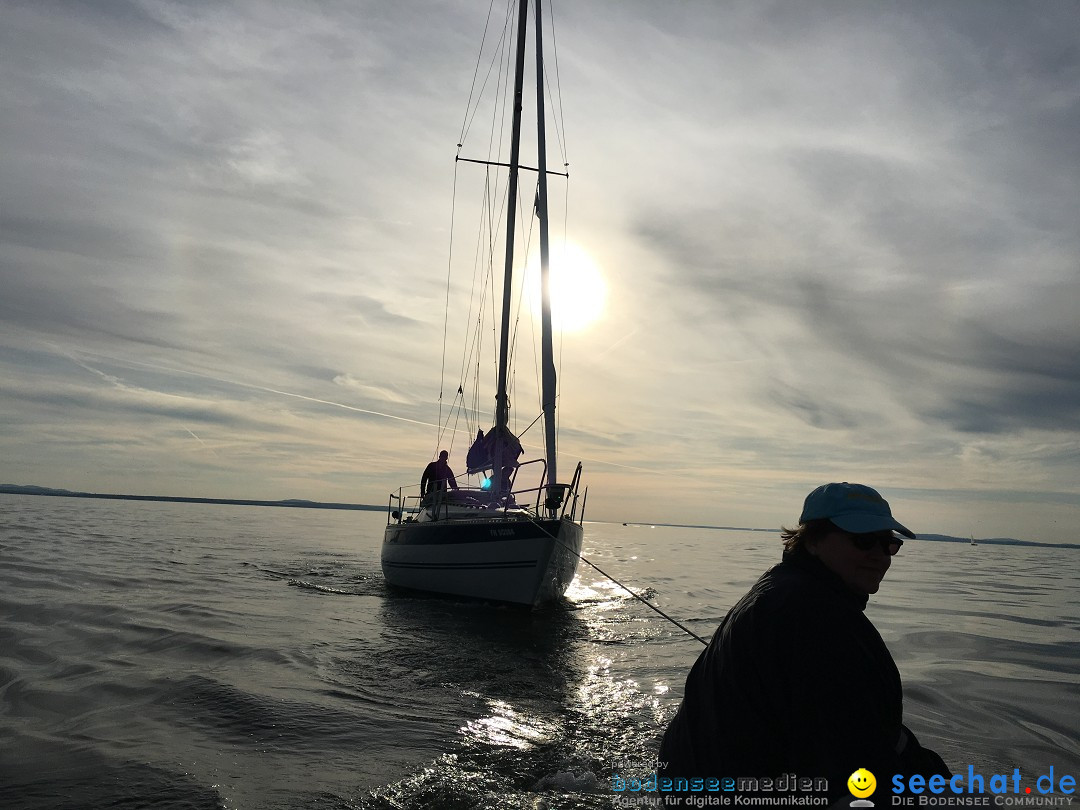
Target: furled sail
[477, 459]
[482, 453]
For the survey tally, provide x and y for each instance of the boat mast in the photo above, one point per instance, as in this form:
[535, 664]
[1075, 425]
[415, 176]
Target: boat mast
[547, 388]
[502, 401]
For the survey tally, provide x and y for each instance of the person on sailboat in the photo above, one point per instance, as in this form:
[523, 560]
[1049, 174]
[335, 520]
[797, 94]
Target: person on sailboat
[437, 475]
[796, 680]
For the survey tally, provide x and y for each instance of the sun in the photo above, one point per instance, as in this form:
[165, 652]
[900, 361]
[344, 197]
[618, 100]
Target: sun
[578, 289]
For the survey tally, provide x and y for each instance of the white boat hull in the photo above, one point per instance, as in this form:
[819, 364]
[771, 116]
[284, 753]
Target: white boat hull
[510, 557]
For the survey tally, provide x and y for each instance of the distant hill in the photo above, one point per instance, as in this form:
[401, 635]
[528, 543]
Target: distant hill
[697, 526]
[994, 541]
[14, 489]
[934, 538]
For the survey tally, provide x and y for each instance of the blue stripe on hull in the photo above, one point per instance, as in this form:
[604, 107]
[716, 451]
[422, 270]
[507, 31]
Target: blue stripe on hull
[464, 566]
[451, 532]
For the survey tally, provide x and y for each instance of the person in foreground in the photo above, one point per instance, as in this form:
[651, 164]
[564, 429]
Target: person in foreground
[796, 680]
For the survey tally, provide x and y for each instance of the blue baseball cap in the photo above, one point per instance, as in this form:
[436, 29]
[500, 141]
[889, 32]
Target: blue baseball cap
[852, 507]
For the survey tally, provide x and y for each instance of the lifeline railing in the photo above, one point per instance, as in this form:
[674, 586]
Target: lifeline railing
[468, 498]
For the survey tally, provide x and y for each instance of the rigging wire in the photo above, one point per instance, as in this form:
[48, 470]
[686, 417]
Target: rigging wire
[470, 114]
[560, 120]
[488, 234]
[482, 269]
[498, 67]
[470, 111]
[490, 231]
[446, 306]
[497, 72]
[562, 342]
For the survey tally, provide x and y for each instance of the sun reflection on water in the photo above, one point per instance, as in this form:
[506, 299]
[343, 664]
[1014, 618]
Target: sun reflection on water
[508, 727]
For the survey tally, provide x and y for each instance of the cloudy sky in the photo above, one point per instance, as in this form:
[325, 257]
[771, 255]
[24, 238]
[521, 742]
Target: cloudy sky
[840, 239]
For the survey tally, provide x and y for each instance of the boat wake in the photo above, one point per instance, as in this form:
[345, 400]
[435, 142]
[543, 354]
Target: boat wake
[313, 586]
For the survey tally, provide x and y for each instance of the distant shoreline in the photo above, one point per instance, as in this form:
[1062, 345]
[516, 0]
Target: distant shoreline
[933, 538]
[648, 525]
[11, 489]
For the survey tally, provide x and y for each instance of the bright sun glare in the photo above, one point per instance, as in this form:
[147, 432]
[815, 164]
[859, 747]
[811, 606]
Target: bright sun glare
[578, 290]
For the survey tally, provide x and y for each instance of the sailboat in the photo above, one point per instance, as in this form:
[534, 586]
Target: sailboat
[517, 536]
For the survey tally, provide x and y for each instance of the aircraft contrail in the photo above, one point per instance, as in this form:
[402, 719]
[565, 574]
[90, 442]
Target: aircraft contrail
[200, 441]
[116, 381]
[317, 400]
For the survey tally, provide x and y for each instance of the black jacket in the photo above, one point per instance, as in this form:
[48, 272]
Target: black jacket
[796, 681]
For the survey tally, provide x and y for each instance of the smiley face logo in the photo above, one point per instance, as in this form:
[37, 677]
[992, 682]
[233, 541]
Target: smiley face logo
[861, 783]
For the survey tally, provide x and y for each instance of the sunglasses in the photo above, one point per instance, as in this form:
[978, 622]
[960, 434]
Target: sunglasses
[865, 542]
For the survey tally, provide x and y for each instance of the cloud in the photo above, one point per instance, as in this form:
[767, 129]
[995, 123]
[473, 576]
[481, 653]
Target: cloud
[839, 239]
[370, 391]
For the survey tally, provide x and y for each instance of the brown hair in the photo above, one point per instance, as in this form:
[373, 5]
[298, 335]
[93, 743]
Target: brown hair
[807, 534]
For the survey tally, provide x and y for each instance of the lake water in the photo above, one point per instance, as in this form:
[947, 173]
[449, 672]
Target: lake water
[212, 656]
